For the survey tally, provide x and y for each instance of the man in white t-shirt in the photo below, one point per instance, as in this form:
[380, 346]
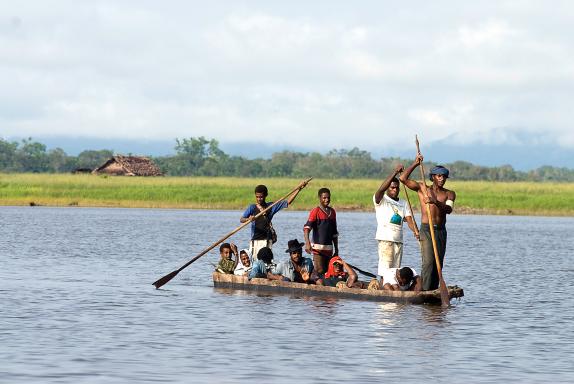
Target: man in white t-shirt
[391, 212]
[401, 279]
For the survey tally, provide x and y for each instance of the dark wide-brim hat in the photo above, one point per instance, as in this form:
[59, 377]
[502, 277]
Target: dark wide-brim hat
[294, 245]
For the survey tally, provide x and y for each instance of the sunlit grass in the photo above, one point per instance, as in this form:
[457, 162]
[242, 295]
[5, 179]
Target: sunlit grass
[523, 198]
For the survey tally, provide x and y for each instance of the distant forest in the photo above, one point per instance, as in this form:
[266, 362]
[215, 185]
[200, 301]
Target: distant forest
[203, 157]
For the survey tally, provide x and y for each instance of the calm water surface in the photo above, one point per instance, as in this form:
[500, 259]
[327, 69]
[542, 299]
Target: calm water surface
[77, 304]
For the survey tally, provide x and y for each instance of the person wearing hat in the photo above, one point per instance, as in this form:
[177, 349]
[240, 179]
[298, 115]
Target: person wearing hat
[441, 203]
[297, 268]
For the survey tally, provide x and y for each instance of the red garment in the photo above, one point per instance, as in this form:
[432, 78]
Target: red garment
[323, 224]
[331, 270]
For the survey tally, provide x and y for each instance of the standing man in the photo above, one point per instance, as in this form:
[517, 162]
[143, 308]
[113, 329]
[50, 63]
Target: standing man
[323, 222]
[441, 203]
[261, 229]
[391, 212]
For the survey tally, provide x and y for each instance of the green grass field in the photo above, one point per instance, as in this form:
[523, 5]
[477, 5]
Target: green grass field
[552, 199]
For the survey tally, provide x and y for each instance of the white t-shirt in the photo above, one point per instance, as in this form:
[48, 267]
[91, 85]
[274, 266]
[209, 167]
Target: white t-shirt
[390, 276]
[390, 217]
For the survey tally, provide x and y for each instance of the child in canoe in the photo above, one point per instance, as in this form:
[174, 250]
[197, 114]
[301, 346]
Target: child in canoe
[226, 263]
[244, 264]
[340, 274]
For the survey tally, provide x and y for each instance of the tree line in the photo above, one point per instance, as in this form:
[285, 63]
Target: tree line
[203, 157]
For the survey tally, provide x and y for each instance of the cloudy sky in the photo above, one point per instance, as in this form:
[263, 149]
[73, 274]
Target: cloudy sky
[322, 74]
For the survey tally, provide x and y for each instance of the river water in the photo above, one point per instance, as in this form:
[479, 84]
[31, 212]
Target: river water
[77, 304]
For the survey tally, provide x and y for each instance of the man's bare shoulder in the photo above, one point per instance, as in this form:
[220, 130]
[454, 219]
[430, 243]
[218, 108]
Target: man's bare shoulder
[451, 195]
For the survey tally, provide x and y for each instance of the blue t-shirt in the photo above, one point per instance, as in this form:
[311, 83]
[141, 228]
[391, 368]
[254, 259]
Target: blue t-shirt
[259, 270]
[260, 227]
[287, 270]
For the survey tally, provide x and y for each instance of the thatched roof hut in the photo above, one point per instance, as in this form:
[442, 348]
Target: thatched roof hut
[128, 166]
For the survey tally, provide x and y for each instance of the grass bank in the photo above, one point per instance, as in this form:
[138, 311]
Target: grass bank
[523, 198]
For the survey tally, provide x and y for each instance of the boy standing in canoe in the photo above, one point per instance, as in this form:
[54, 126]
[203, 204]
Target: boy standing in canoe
[323, 222]
[441, 203]
[391, 213]
[262, 232]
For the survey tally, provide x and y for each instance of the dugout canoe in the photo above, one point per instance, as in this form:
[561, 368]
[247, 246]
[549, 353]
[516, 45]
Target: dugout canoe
[221, 280]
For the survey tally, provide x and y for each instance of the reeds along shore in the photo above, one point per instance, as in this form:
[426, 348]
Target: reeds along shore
[478, 197]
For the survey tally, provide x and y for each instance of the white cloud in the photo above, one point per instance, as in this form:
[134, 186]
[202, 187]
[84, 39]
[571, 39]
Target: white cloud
[428, 117]
[492, 32]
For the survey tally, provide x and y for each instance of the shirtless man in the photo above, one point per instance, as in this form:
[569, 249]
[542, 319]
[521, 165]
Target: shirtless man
[441, 203]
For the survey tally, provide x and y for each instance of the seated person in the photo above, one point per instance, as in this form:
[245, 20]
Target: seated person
[226, 263]
[263, 267]
[297, 268]
[339, 273]
[401, 279]
[244, 264]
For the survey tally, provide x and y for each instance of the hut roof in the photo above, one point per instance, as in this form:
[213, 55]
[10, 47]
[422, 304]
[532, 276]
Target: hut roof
[131, 166]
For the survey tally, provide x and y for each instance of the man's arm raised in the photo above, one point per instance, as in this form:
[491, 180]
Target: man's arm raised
[387, 183]
[295, 193]
[411, 184]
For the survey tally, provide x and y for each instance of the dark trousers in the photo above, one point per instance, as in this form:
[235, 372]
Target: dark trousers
[429, 273]
[321, 261]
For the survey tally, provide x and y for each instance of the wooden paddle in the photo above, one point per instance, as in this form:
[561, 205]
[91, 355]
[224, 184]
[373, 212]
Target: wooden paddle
[164, 280]
[445, 301]
[363, 272]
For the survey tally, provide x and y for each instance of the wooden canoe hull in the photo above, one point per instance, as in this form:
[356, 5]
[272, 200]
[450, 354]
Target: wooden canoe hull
[221, 280]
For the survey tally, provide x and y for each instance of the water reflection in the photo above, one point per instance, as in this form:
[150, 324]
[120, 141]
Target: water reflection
[435, 313]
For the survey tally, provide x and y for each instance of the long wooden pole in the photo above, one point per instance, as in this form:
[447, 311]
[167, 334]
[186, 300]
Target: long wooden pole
[165, 279]
[412, 214]
[445, 301]
[363, 272]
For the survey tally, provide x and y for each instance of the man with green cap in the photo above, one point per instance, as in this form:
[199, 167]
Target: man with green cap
[441, 203]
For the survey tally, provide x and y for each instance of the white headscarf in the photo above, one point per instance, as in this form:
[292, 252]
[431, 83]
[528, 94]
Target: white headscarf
[240, 269]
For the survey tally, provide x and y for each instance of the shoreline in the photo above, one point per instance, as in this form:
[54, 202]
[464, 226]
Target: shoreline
[235, 193]
[338, 208]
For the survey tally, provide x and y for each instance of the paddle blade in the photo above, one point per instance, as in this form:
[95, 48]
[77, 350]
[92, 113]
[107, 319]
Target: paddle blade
[444, 299]
[164, 280]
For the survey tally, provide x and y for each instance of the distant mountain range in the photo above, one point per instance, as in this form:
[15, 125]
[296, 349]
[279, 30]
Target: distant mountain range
[521, 157]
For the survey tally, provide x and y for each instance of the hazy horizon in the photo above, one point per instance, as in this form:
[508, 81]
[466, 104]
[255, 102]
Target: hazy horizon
[521, 157]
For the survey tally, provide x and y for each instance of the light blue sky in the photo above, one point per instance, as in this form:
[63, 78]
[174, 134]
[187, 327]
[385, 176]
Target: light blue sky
[322, 74]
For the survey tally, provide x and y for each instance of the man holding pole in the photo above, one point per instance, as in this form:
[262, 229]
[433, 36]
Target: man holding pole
[167, 278]
[261, 227]
[391, 213]
[440, 203]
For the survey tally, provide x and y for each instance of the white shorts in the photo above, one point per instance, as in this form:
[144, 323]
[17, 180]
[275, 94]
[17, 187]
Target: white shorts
[390, 255]
[256, 245]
